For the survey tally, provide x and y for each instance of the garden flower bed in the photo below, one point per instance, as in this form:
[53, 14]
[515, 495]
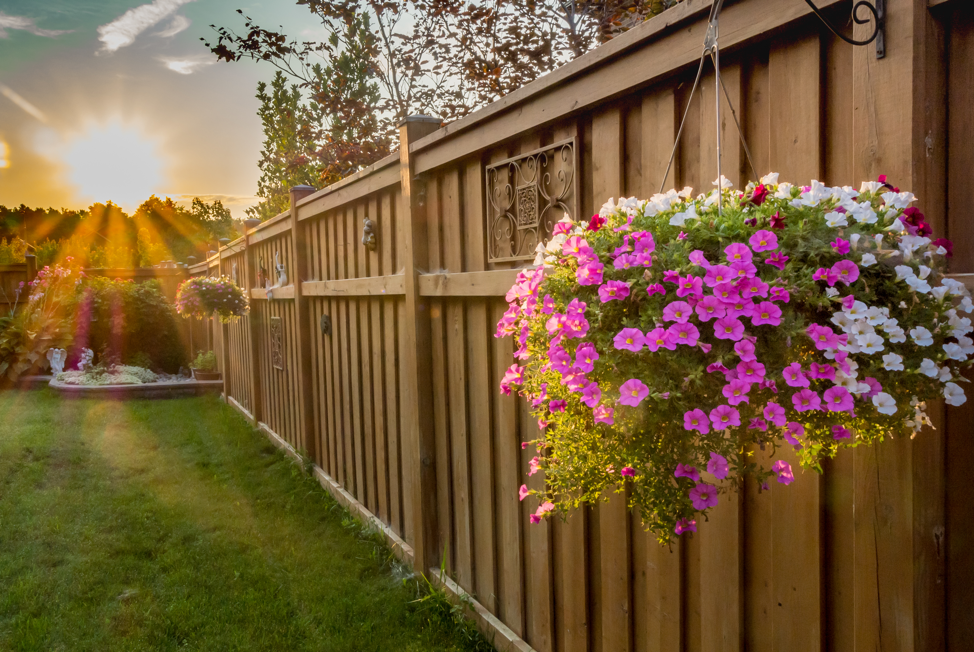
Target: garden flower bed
[122, 382]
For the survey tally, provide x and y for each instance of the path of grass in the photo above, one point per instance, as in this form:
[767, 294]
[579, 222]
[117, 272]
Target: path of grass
[158, 525]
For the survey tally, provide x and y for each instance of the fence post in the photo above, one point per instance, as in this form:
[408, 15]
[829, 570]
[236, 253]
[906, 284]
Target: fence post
[253, 322]
[224, 336]
[31, 261]
[306, 421]
[419, 447]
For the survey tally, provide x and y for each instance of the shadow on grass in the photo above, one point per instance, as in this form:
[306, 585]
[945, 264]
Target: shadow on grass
[173, 524]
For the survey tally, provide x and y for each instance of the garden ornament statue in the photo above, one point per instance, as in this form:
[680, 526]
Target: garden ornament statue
[87, 356]
[281, 275]
[57, 358]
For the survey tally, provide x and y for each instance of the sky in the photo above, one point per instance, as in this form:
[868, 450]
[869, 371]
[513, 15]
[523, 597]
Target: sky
[119, 99]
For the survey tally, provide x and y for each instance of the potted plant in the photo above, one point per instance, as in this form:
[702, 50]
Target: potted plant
[201, 296]
[663, 341]
[204, 367]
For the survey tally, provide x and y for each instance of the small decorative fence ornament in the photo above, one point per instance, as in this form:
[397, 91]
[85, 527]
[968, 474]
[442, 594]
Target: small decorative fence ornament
[201, 296]
[57, 358]
[661, 343]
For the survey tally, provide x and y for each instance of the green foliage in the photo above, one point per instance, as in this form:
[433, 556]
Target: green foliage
[12, 253]
[204, 361]
[201, 296]
[101, 375]
[122, 319]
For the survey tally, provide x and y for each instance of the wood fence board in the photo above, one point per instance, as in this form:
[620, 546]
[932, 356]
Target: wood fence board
[732, 154]
[365, 329]
[658, 125]
[572, 583]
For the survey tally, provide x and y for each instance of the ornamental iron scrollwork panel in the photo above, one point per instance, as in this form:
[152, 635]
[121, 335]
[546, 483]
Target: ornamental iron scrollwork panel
[277, 343]
[526, 196]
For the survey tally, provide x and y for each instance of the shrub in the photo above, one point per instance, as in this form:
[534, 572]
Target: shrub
[804, 317]
[201, 296]
[204, 361]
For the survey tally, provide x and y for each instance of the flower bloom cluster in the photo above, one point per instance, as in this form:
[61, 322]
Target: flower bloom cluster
[659, 338]
[200, 296]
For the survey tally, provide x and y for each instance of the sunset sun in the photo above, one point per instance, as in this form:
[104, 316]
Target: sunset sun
[114, 161]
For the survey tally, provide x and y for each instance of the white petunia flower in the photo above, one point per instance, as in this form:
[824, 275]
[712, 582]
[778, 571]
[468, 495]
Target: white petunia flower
[723, 181]
[816, 193]
[899, 200]
[689, 214]
[893, 362]
[864, 213]
[954, 395]
[967, 345]
[872, 343]
[770, 179]
[857, 310]
[836, 219]
[946, 375]
[831, 292]
[918, 284]
[844, 380]
[854, 240]
[967, 305]
[875, 316]
[941, 251]
[929, 368]
[870, 186]
[896, 335]
[940, 292]
[842, 320]
[885, 404]
[903, 272]
[921, 336]
[955, 352]
[862, 388]
[960, 325]
[861, 327]
[555, 244]
[924, 271]
[608, 208]
[868, 260]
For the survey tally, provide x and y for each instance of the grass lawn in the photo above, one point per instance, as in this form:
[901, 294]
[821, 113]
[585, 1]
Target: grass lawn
[158, 525]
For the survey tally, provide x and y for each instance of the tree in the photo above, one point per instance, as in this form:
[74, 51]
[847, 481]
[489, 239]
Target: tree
[386, 59]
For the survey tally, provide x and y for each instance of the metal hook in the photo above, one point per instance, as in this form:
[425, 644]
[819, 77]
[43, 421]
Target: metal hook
[878, 17]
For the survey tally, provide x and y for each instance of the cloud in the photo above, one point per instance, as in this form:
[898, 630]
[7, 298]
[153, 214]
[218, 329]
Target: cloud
[123, 31]
[186, 65]
[26, 24]
[178, 24]
[9, 93]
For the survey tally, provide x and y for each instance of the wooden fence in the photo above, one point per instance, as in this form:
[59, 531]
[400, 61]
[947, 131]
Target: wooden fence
[380, 364]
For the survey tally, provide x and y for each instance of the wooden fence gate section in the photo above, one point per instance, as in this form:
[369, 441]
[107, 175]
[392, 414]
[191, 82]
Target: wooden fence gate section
[379, 362]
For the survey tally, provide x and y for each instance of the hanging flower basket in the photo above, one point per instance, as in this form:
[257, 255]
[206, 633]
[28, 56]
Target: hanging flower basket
[661, 342]
[201, 296]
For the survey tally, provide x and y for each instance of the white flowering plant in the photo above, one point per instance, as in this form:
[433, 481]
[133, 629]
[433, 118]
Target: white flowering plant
[663, 340]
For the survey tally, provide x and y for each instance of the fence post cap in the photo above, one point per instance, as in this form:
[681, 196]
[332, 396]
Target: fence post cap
[422, 119]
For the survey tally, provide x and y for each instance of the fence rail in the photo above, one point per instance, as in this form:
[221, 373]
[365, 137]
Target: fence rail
[381, 365]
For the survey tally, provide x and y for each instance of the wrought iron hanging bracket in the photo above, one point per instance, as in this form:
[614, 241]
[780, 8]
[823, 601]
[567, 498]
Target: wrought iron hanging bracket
[878, 19]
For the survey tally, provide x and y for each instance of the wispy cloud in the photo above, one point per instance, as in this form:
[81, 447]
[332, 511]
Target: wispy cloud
[9, 93]
[123, 31]
[178, 24]
[26, 24]
[186, 65]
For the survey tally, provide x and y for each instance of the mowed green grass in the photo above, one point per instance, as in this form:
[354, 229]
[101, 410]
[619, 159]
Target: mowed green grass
[172, 524]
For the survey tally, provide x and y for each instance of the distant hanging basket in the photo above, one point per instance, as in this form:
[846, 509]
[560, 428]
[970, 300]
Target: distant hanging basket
[201, 296]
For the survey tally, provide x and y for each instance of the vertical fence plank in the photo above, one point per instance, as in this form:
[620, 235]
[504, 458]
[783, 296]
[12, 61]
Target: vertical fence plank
[732, 154]
[659, 131]
[378, 268]
[368, 497]
[388, 246]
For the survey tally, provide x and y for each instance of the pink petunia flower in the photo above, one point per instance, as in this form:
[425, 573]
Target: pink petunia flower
[783, 470]
[696, 420]
[838, 399]
[766, 313]
[840, 246]
[685, 525]
[655, 288]
[523, 492]
[632, 392]
[628, 471]
[659, 338]
[758, 423]
[774, 413]
[845, 271]
[840, 432]
[678, 311]
[697, 258]
[671, 276]
[585, 357]
[738, 252]
[821, 371]
[750, 371]
[874, 387]
[591, 395]
[684, 334]
[596, 223]
[629, 339]
[777, 259]
[728, 328]
[744, 270]
[557, 406]
[590, 273]
[717, 274]
[604, 414]
[763, 241]
[577, 247]
[613, 291]
[792, 432]
[534, 466]
[753, 288]
[736, 392]
[624, 261]
[827, 275]
[644, 242]
[780, 294]
[690, 286]
[716, 366]
[745, 350]
[805, 400]
[723, 417]
[703, 496]
[687, 471]
[710, 308]
[717, 466]
[727, 292]
[823, 337]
